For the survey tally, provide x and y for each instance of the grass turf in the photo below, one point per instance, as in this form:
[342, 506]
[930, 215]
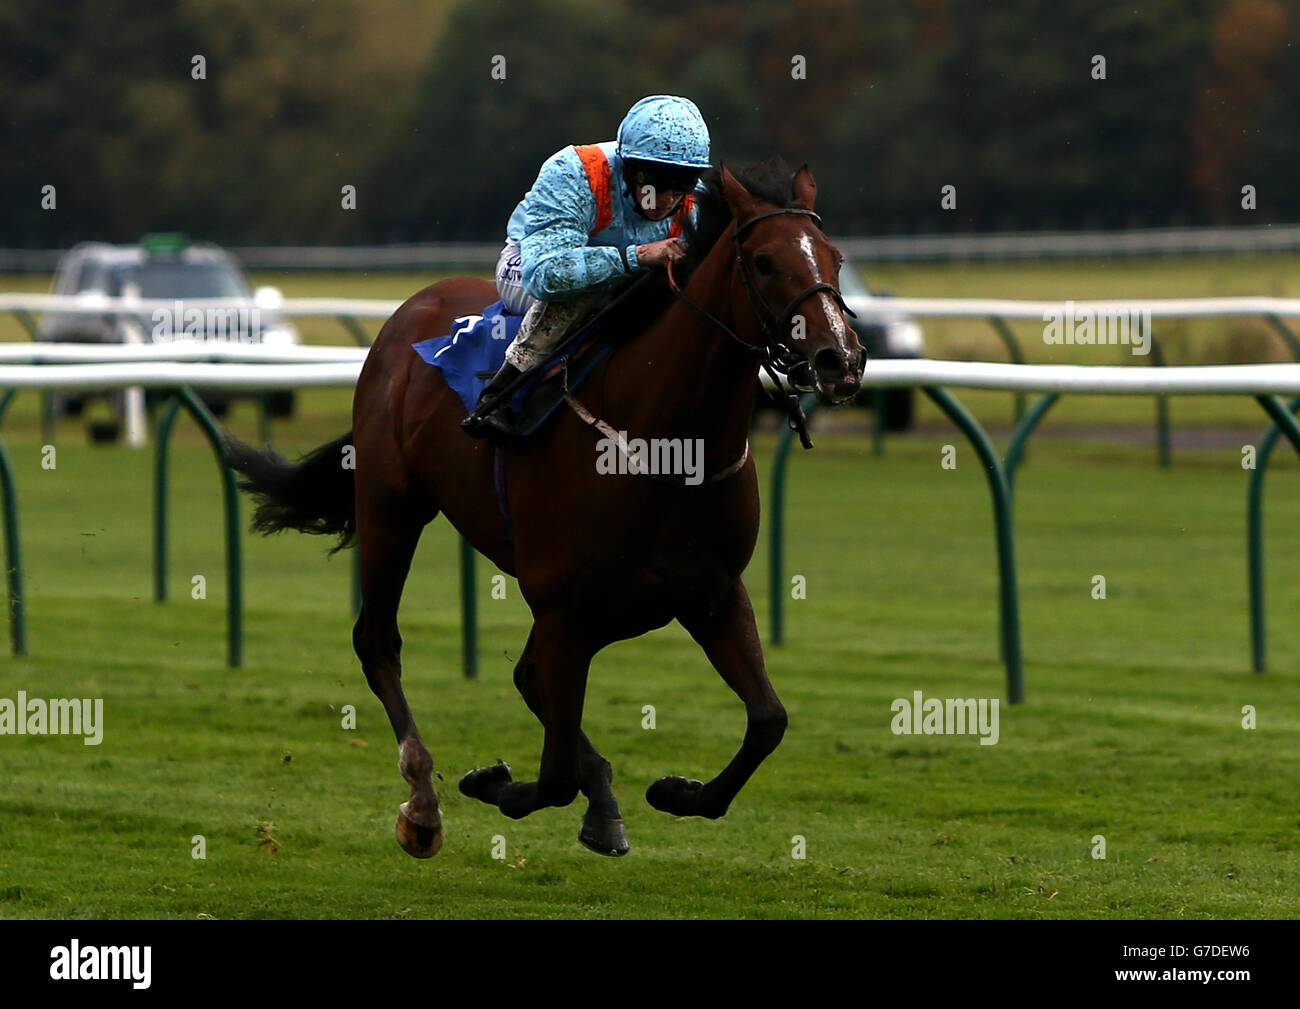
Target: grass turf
[1132, 728]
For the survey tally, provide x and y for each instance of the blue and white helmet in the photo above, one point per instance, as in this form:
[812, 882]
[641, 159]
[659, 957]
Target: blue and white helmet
[666, 129]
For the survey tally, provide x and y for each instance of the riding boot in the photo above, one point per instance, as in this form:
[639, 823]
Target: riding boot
[545, 327]
[487, 417]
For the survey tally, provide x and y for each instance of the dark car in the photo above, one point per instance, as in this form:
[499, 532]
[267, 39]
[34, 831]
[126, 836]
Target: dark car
[171, 268]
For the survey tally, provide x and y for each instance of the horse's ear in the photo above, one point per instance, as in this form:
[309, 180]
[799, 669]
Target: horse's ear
[742, 205]
[803, 187]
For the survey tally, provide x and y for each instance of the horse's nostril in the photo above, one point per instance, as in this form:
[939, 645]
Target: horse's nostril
[829, 360]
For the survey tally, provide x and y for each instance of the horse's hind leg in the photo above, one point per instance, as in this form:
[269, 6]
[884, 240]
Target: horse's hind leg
[602, 826]
[729, 637]
[387, 538]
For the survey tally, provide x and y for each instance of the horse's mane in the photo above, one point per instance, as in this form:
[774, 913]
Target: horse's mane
[770, 183]
[651, 295]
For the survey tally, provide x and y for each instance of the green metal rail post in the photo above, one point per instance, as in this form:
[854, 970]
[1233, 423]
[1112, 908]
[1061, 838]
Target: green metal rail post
[5, 400]
[162, 447]
[1016, 446]
[1009, 603]
[47, 418]
[1009, 607]
[352, 326]
[468, 604]
[1284, 331]
[1282, 422]
[468, 610]
[28, 322]
[1163, 450]
[877, 424]
[1017, 355]
[776, 543]
[13, 545]
[230, 494]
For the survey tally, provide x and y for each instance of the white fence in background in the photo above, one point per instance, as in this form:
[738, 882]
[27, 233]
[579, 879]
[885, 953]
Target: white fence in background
[253, 366]
[877, 306]
[1105, 380]
[1255, 239]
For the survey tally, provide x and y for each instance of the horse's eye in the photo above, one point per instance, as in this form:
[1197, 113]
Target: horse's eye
[763, 264]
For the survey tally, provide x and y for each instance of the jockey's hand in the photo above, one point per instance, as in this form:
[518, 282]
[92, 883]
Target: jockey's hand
[660, 253]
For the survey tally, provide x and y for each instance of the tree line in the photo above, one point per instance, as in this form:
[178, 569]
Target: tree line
[915, 115]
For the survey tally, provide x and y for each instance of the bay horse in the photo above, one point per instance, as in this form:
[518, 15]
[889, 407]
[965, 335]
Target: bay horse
[599, 557]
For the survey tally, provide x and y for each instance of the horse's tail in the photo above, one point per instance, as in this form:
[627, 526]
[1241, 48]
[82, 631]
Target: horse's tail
[313, 495]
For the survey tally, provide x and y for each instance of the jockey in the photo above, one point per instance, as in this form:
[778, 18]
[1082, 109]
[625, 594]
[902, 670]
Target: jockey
[596, 214]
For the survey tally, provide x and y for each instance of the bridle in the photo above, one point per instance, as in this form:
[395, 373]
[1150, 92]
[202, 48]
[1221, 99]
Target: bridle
[775, 357]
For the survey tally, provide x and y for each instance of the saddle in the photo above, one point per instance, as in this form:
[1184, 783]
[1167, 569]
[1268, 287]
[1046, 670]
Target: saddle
[472, 353]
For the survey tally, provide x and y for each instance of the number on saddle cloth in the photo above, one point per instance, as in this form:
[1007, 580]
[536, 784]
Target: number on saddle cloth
[476, 343]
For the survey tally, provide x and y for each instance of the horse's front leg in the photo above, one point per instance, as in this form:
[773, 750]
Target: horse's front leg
[729, 637]
[554, 684]
[602, 826]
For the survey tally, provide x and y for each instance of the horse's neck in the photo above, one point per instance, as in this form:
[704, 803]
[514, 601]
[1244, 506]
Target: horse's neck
[686, 378]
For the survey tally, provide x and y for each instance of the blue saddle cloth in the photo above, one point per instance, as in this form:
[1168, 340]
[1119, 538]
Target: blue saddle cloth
[477, 343]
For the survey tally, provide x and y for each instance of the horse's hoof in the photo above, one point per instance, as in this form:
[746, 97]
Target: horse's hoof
[417, 839]
[675, 795]
[604, 835]
[485, 783]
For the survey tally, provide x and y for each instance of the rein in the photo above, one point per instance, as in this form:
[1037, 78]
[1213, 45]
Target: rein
[775, 358]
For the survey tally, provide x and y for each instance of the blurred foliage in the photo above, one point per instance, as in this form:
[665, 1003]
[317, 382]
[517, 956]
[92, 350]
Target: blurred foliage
[398, 98]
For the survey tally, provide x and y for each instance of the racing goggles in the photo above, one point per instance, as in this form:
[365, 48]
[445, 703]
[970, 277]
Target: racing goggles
[664, 178]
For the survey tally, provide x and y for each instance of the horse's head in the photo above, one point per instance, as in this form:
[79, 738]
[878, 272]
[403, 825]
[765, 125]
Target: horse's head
[790, 272]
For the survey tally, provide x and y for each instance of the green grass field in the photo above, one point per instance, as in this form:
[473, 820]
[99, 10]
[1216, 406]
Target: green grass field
[1132, 728]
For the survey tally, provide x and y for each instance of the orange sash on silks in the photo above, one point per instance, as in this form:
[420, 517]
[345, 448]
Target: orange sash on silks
[596, 165]
[683, 212]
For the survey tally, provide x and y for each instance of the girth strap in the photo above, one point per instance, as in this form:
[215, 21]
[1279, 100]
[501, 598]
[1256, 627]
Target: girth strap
[594, 422]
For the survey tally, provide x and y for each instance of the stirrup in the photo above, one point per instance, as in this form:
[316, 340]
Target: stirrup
[508, 378]
[492, 416]
[491, 424]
